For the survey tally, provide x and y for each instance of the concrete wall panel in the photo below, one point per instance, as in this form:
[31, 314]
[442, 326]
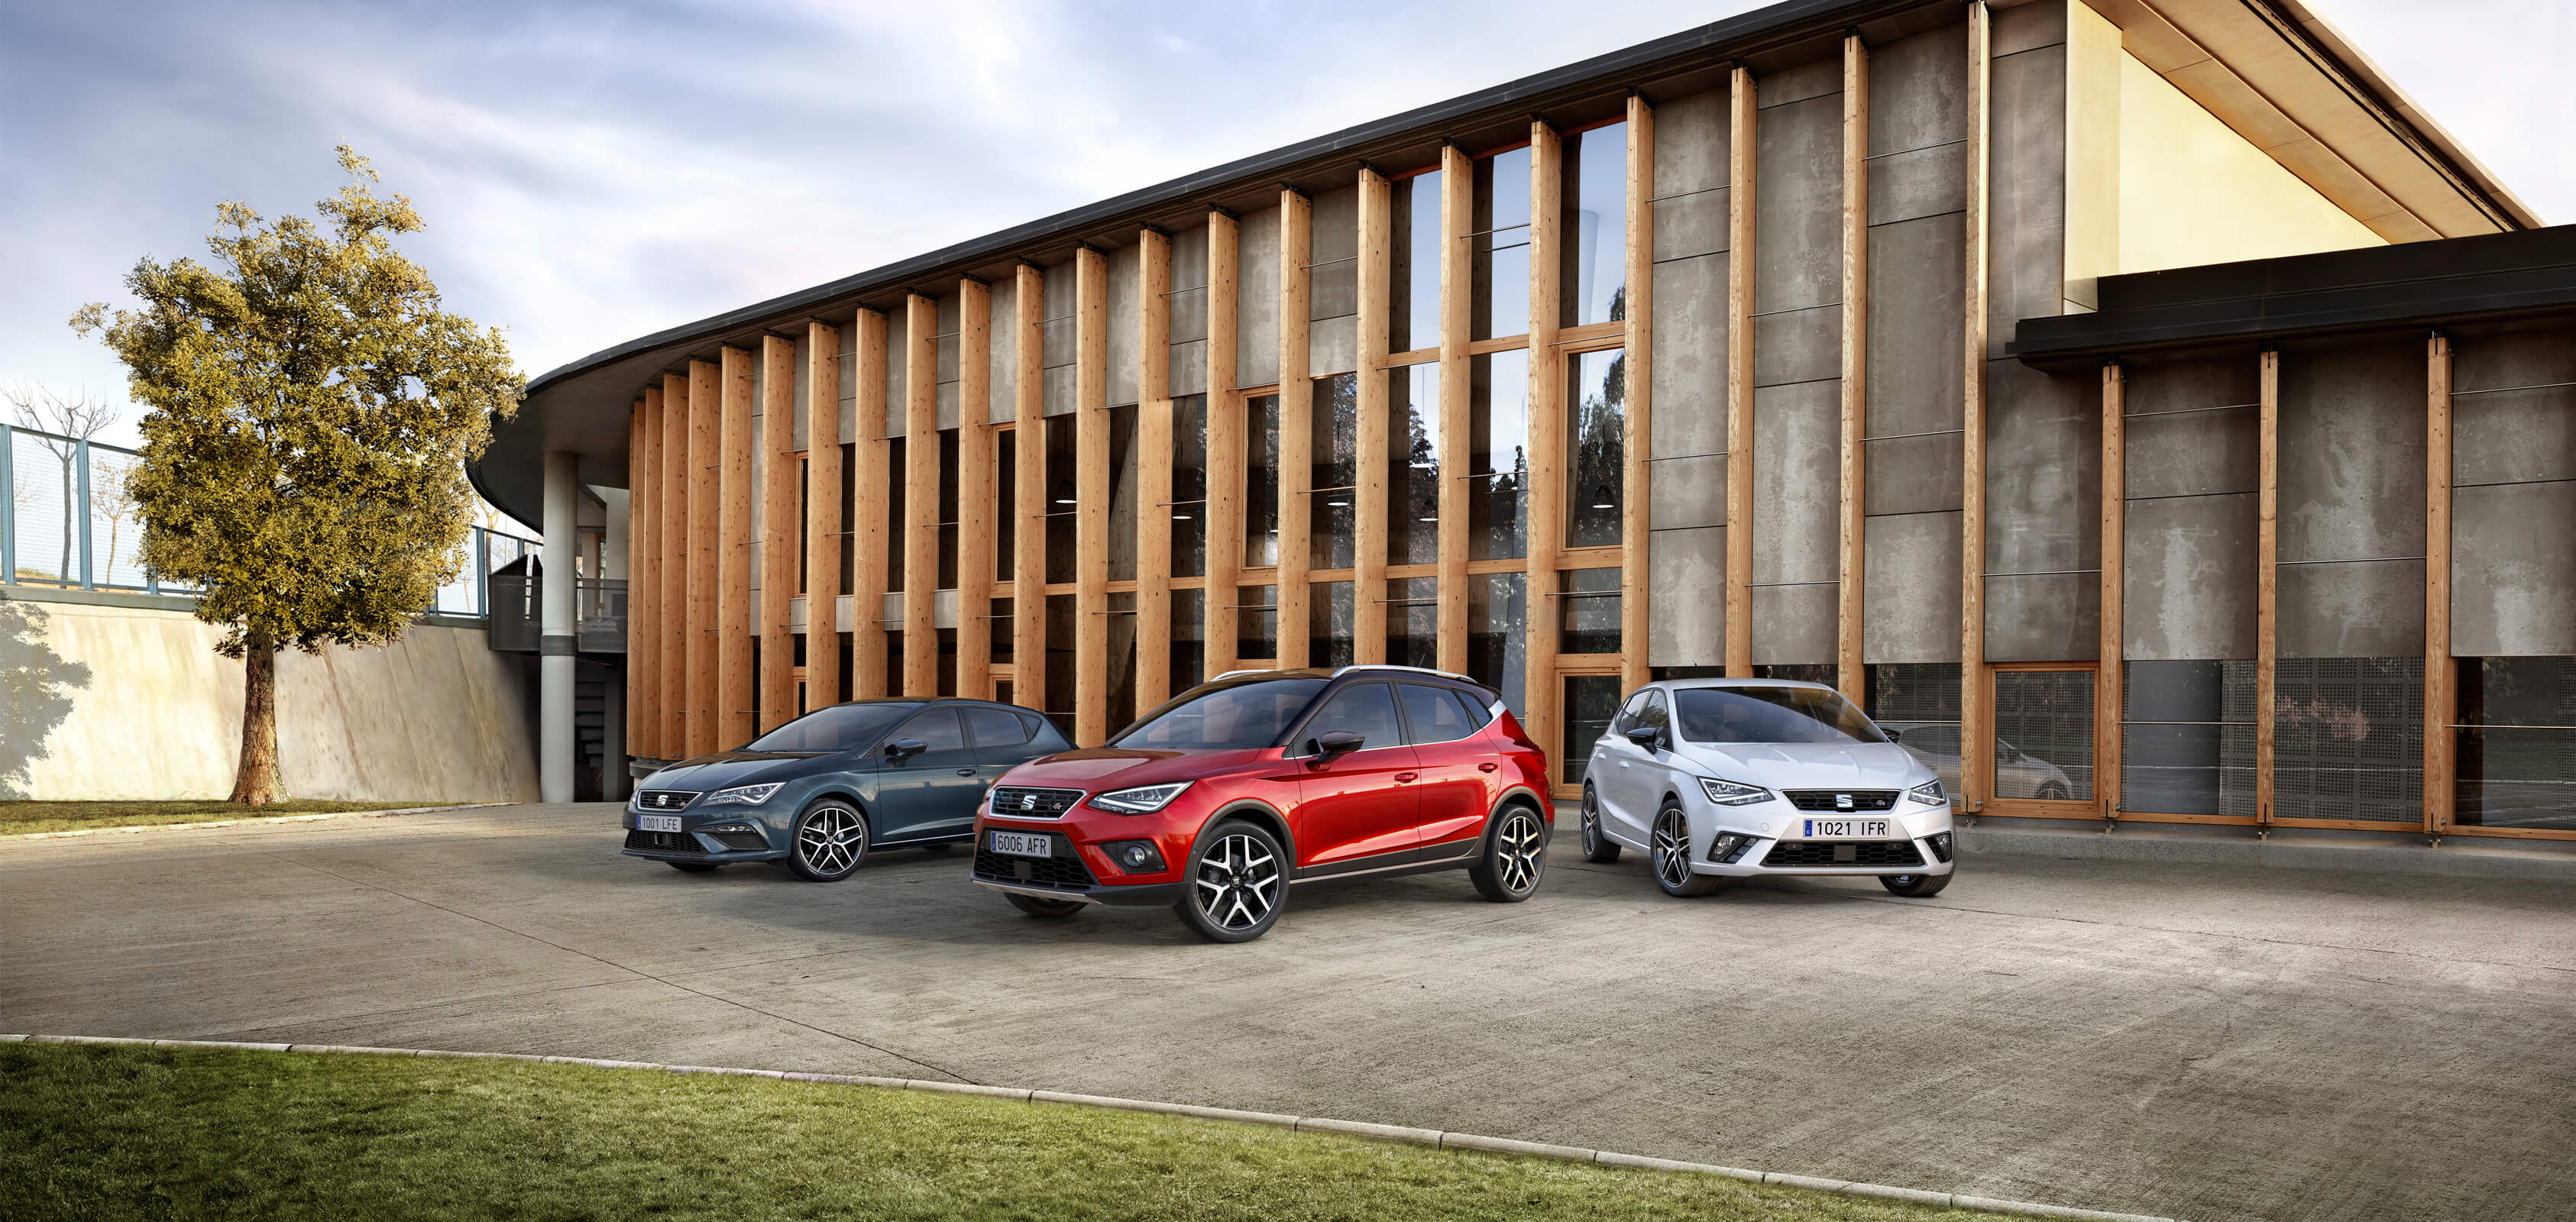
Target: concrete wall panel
[1333, 346]
[2352, 453]
[1690, 357]
[1806, 346]
[1004, 366]
[1810, 80]
[2195, 454]
[2188, 578]
[1256, 347]
[1914, 325]
[2028, 197]
[1690, 176]
[2515, 435]
[1689, 492]
[1797, 244]
[2043, 497]
[2049, 618]
[2513, 586]
[1333, 287]
[1912, 596]
[2351, 610]
[1688, 597]
[897, 323]
[1793, 625]
[1915, 474]
[1796, 498]
[1189, 368]
[1055, 397]
[1126, 280]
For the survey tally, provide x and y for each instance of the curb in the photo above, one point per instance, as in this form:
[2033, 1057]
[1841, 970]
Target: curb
[1303, 1124]
[181, 827]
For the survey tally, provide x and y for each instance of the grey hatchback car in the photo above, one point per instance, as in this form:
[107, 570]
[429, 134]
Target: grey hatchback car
[822, 791]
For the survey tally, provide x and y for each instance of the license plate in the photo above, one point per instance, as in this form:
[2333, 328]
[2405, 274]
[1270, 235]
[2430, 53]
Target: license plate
[657, 823]
[1023, 844]
[1844, 829]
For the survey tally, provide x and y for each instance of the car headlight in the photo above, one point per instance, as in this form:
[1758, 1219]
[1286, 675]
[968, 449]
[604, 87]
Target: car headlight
[1733, 793]
[1142, 799]
[1931, 792]
[744, 795]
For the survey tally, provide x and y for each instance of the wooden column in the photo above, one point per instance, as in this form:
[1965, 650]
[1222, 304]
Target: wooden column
[736, 694]
[1153, 471]
[1976, 734]
[871, 544]
[1225, 442]
[1296, 427]
[977, 503]
[2108, 676]
[1852, 540]
[1741, 136]
[1091, 497]
[1028, 498]
[1544, 499]
[920, 495]
[671, 633]
[1369, 510]
[823, 537]
[1457, 206]
[2267, 595]
[1636, 542]
[643, 589]
[781, 530]
[706, 430]
[2441, 676]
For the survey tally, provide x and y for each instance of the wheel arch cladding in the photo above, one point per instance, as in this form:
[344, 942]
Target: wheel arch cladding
[1254, 813]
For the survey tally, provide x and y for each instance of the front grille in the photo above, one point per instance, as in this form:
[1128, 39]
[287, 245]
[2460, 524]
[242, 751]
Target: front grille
[663, 799]
[665, 842]
[1832, 799]
[742, 842]
[1022, 802]
[1065, 872]
[1843, 853]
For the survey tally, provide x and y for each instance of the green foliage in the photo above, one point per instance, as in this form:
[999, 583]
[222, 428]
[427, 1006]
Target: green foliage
[312, 409]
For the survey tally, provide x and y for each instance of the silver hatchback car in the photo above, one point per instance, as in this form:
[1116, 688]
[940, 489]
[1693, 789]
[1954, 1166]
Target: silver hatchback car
[1731, 778]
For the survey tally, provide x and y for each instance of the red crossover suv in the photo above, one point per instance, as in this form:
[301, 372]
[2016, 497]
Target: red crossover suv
[1216, 802]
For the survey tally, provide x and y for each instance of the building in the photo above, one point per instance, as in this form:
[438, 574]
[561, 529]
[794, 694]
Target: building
[2090, 387]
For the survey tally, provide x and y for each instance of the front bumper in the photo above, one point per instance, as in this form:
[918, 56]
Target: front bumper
[1081, 869]
[692, 844]
[1919, 841]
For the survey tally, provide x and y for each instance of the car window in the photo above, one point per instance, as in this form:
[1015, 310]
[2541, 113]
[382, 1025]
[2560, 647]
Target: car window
[1478, 711]
[1655, 714]
[1365, 709]
[1630, 714]
[997, 727]
[937, 727]
[1434, 714]
[1238, 716]
[1043, 734]
[842, 727]
[1771, 715]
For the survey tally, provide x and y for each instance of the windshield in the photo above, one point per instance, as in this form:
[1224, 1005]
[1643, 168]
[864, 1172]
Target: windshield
[841, 727]
[1238, 716]
[1770, 715]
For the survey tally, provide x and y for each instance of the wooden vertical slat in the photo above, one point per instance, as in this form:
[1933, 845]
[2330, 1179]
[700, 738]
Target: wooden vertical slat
[2108, 677]
[2441, 678]
[736, 692]
[871, 543]
[1545, 496]
[1028, 499]
[1225, 443]
[781, 530]
[1635, 523]
[1153, 471]
[823, 537]
[920, 495]
[1370, 519]
[1739, 374]
[1852, 538]
[672, 540]
[2267, 598]
[976, 502]
[706, 431]
[1296, 427]
[1457, 205]
[1976, 693]
[1091, 497]
[643, 590]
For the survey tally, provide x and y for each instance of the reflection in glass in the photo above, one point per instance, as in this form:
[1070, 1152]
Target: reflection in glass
[2044, 735]
[1060, 619]
[1498, 246]
[1413, 621]
[1498, 455]
[2348, 739]
[1256, 623]
[1587, 614]
[1121, 638]
[1590, 702]
[1596, 447]
[1329, 622]
[2187, 737]
[1189, 486]
[1122, 491]
[1063, 559]
[1335, 472]
[1414, 290]
[1189, 639]
[1920, 701]
[1595, 277]
[1261, 482]
[2517, 759]
[1498, 634]
[1413, 455]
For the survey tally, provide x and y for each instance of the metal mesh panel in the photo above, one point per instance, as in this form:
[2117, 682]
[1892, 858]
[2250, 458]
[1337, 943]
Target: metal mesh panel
[1800, 672]
[2348, 739]
[2187, 737]
[2044, 734]
[1920, 701]
[41, 511]
[2517, 750]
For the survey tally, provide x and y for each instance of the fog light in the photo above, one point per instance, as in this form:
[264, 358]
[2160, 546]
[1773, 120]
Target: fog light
[1728, 847]
[1134, 856]
[717, 829]
[1940, 842]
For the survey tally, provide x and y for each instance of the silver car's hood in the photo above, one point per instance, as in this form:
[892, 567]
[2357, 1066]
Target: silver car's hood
[1806, 765]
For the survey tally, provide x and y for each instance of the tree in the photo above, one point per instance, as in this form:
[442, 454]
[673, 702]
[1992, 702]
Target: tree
[62, 422]
[312, 409]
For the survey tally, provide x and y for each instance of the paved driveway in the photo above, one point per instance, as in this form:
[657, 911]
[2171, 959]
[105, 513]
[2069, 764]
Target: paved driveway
[2208, 1044]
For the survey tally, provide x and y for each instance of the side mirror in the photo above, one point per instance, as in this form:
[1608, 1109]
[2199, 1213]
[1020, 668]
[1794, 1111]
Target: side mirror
[1333, 743]
[905, 748]
[1893, 736]
[1648, 737]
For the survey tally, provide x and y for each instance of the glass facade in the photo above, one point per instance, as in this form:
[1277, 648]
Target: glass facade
[1329, 615]
[897, 527]
[2517, 743]
[1256, 624]
[1060, 618]
[1120, 634]
[1062, 561]
[1413, 621]
[1587, 611]
[1189, 486]
[1006, 493]
[1498, 246]
[947, 510]
[1261, 482]
[1122, 492]
[1335, 473]
[1413, 457]
[1189, 639]
[1596, 447]
[1594, 279]
[2187, 737]
[1498, 635]
[1920, 701]
[1003, 631]
[1414, 290]
[1498, 456]
[1591, 701]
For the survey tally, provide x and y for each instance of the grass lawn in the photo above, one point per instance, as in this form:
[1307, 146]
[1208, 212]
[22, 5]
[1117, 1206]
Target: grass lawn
[122, 1132]
[17, 818]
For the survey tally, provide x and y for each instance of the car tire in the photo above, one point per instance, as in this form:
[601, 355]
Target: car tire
[1597, 848]
[694, 867]
[828, 842]
[1515, 857]
[2051, 792]
[1917, 886]
[1236, 884]
[1672, 857]
[1043, 908]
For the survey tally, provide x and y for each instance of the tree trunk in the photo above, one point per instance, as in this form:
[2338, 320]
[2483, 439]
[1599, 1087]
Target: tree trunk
[255, 781]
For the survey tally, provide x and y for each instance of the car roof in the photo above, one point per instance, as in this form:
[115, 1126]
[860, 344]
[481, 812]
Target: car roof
[1364, 670]
[1680, 684]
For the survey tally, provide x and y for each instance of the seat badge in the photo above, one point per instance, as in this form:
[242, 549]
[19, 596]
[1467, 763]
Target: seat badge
[1842, 801]
[1028, 801]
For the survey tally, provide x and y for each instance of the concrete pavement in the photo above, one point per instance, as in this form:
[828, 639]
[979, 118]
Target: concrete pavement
[2203, 1042]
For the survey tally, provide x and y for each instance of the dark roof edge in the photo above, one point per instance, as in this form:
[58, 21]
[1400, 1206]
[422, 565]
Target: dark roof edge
[1744, 25]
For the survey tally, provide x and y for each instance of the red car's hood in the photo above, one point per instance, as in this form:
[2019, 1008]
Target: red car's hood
[1100, 768]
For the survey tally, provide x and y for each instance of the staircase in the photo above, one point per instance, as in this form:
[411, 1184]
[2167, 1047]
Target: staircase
[590, 730]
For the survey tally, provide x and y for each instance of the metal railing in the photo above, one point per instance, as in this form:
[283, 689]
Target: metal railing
[518, 614]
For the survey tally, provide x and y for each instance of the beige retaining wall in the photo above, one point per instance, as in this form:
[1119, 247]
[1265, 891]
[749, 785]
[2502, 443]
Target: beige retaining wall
[120, 701]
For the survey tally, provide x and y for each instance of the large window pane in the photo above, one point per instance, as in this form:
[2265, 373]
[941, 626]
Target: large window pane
[2348, 739]
[1498, 634]
[1121, 638]
[2517, 758]
[1329, 620]
[1335, 473]
[897, 528]
[1498, 246]
[2044, 735]
[947, 510]
[1004, 631]
[1189, 639]
[1595, 276]
[1256, 623]
[1590, 702]
[1006, 493]
[1587, 613]
[2187, 737]
[1063, 560]
[1060, 615]
[1414, 293]
[1413, 621]
[1596, 446]
[1920, 701]
[1122, 491]
[1498, 455]
[1413, 455]
[1261, 482]
[1189, 486]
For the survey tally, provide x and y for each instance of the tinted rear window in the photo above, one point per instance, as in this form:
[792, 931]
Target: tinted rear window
[1236, 716]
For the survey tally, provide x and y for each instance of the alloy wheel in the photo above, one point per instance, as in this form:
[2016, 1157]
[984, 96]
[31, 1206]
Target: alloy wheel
[831, 839]
[1516, 851]
[1672, 850]
[1591, 821]
[1237, 882]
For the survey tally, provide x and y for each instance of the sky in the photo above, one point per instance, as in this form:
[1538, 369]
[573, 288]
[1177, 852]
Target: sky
[591, 173]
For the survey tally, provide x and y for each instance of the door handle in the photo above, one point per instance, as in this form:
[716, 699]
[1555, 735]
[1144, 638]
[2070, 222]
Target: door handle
[1487, 766]
[1402, 777]
[965, 772]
